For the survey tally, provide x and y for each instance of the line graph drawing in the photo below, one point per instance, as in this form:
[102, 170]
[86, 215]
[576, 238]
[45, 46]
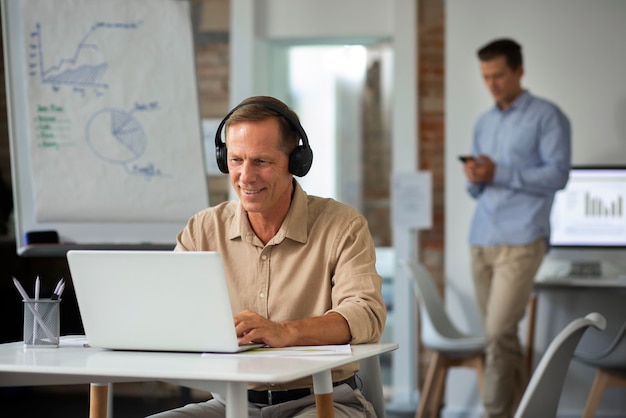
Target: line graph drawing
[84, 69]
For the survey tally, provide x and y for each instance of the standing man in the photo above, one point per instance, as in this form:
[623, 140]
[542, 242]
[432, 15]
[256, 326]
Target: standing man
[520, 158]
[300, 269]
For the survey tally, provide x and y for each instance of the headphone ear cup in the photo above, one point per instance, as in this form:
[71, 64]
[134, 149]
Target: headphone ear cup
[300, 160]
[221, 156]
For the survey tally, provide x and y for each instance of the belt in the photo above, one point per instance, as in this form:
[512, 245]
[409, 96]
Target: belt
[274, 397]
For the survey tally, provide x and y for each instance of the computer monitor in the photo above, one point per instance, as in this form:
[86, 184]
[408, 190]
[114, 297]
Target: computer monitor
[588, 222]
[591, 211]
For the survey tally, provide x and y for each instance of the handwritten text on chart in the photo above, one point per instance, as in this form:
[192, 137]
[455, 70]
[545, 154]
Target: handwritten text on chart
[52, 127]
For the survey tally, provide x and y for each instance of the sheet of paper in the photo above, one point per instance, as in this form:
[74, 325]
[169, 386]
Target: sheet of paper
[311, 350]
[412, 201]
[73, 341]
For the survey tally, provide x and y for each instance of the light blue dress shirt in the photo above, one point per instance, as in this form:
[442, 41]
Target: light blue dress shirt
[530, 143]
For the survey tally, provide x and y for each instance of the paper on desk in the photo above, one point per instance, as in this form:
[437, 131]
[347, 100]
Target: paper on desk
[305, 350]
[74, 340]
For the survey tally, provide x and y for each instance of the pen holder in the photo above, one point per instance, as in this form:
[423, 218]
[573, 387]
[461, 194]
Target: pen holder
[42, 323]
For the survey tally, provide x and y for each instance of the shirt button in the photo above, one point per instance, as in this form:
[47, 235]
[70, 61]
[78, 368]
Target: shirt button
[263, 257]
[261, 295]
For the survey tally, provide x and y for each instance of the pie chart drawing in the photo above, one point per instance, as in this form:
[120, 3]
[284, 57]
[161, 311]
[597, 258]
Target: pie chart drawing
[115, 136]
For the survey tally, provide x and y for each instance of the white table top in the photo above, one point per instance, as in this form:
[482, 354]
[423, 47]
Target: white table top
[75, 364]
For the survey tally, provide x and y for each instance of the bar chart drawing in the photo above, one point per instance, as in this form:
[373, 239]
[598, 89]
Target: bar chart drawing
[597, 207]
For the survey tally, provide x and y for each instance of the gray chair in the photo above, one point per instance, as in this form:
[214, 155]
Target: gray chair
[611, 370]
[372, 384]
[450, 347]
[542, 395]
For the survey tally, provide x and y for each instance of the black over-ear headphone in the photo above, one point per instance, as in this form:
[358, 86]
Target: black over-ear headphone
[301, 157]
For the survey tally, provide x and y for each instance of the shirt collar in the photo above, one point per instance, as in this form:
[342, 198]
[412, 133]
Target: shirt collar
[294, 227]
[520, 102]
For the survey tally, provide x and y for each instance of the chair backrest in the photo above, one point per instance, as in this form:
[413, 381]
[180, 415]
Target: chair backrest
[542, 395]
[435, 322]
[372, 384]
[613, 357]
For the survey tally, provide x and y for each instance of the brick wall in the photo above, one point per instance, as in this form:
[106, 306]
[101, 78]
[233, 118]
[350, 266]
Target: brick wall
[211, 24]
[431, 73]
[431, 129]
[376, 156]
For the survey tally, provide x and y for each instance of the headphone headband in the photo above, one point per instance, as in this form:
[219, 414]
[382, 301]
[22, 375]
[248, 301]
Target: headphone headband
[301, 157]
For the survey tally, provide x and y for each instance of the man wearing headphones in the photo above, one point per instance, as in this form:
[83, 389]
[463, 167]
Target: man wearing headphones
[300, 269]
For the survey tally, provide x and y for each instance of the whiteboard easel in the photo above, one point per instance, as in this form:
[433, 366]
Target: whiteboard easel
[104, 122]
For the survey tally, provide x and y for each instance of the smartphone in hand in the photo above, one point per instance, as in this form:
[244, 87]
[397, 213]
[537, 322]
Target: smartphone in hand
[465, 158]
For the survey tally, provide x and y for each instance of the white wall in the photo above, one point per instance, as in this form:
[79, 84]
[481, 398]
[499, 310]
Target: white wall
[574, 55]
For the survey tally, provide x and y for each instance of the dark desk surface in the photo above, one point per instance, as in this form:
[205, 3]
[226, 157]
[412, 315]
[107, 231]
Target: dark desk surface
[582, 282]
[60, 250]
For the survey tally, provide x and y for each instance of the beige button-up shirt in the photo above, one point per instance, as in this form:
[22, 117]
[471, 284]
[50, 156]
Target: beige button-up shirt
[321, 260]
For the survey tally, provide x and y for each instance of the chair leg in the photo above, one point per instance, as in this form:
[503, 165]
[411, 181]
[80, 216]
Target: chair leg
[600, 382]
[434, 384]
[604, 379]
[440, 383]
[616, 380]
[479, 365]
[428, 385]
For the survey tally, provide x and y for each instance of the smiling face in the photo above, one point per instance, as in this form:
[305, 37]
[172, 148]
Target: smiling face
[259, 169]
[503, 83]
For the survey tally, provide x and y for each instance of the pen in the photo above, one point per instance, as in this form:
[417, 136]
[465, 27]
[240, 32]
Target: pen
[37, 287]
[58, 292]
[58, 286]
[20, 289]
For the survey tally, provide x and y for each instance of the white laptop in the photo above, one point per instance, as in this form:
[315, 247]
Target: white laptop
[154, 300]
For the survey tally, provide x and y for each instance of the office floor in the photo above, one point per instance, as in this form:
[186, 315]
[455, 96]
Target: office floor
[131, 400]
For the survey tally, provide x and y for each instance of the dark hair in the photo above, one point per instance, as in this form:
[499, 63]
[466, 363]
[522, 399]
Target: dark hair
[508, 48]
[255, 111]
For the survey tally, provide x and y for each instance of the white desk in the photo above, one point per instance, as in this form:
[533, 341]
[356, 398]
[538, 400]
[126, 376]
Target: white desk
[227, 374]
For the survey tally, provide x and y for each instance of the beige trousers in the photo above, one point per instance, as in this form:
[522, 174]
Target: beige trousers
[503, 279]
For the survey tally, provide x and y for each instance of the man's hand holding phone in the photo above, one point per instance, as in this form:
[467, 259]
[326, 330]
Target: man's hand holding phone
[478, 169]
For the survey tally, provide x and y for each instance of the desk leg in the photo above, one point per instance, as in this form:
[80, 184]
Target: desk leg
[98, 400]
[323, 389]
[236, 400]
